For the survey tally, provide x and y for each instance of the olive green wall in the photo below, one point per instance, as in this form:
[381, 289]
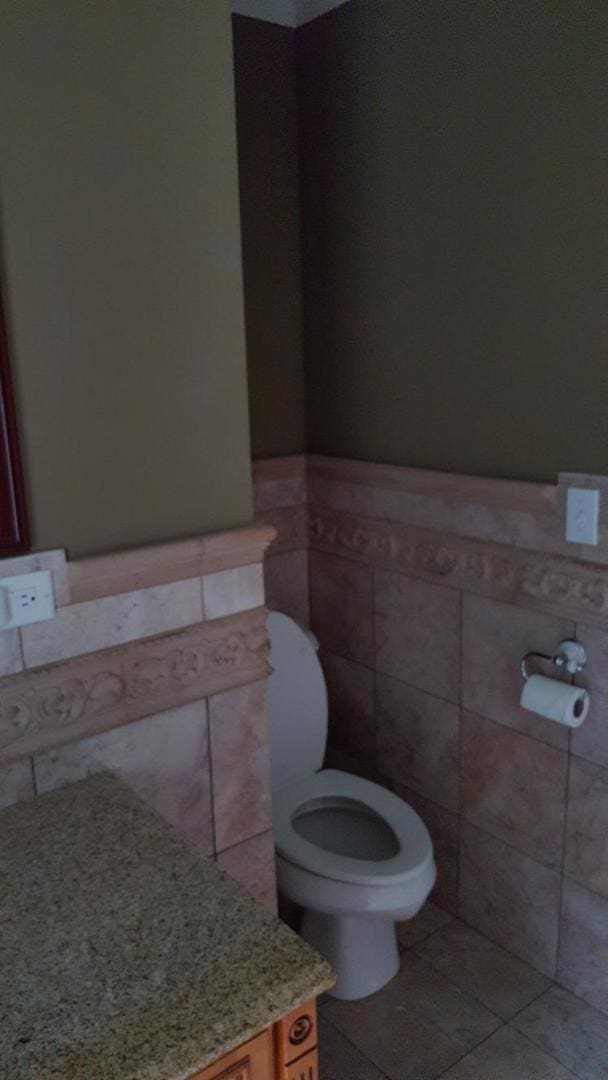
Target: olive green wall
[454, 221]
[266, 106]
[120, 236]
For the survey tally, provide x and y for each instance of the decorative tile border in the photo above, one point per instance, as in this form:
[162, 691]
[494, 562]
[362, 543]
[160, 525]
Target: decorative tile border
[551, 584]
[125, 571]
[291, 526]
[66, 701]
[524, 515]
[456, 487]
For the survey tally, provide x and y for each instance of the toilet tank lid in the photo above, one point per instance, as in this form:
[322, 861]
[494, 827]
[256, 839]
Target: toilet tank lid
[297, 702]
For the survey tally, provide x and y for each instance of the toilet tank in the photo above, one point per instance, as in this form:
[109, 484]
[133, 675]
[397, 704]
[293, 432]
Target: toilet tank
[297, 702]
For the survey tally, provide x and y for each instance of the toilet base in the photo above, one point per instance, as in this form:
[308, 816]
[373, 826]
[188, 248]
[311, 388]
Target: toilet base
[362, 950]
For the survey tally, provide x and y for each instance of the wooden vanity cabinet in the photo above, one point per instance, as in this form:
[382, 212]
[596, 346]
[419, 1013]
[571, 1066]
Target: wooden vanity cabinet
[286, 1051]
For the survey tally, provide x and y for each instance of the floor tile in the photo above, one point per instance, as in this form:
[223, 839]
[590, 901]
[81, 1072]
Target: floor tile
[499, 980]
[507, 1055]
[338, 1059]
[426, 922]
[568, 1029]
[417, 1026]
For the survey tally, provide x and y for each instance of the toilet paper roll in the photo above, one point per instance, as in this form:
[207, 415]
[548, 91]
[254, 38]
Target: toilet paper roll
[558, 701]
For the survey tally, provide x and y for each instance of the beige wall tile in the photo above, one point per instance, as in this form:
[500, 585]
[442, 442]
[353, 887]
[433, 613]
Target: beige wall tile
[16, 782]
[350, 688]
[514, 787]
[586, 854]
[583, 952]
[495, 639]
[510, 898]
[443, 827]
[252, 865]
[11, 656]
[241, 764]
[341, 606]
[418, 739]
[112, 620]
[282, 491]
[286, 584]
[230, 591]
[417, 633]
[164, 758]
[590, 740]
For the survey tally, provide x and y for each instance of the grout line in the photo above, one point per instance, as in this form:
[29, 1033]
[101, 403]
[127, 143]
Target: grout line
[464, 1056]
[558, 942]
[540, 1046]
[33, 770]
[211, 784]
[349, 1040]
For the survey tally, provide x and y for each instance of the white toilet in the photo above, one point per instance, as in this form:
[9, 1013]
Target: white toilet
[354, 856]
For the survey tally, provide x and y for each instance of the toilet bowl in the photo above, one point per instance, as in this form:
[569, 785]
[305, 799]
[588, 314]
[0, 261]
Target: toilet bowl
[353, 855]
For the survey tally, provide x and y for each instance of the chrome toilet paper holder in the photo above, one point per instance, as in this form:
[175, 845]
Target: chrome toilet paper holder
[571, 656]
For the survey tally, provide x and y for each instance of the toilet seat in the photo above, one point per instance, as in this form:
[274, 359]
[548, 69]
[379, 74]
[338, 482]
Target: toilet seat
[415, 846]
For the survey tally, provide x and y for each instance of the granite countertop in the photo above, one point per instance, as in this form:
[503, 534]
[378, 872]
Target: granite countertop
[124, 954]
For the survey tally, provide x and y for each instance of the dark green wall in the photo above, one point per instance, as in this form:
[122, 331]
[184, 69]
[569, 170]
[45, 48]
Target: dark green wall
[121, 244]
[265, 78]
[454, 221]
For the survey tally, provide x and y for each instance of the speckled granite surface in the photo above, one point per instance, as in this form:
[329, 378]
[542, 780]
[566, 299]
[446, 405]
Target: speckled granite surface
[124, 955]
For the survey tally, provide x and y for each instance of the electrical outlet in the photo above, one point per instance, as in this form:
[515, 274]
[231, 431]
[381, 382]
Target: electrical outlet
[26, 598]
[582, 515]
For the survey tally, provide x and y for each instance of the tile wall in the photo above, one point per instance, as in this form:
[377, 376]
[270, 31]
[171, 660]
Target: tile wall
[425, 591]
[162, 683]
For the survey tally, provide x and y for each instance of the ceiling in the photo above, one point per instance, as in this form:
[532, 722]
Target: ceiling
[286, 12]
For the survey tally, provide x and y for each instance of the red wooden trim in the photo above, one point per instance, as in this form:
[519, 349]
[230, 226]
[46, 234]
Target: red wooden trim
[14, 531]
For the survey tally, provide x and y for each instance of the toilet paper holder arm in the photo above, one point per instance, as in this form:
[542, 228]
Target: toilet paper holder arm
[571, 656]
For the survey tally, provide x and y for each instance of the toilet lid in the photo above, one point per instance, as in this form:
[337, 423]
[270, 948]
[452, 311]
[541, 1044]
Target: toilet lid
[333, 789]
[297, 702]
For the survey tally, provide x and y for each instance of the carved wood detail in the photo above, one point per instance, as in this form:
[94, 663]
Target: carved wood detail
[296, 1033]
[549, 583]
[45, 707]
[305, 1068]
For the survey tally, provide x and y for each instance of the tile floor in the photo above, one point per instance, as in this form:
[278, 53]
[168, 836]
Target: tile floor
[461, 1008]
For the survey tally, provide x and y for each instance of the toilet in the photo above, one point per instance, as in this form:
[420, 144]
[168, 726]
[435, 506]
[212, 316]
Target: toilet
[353, 855]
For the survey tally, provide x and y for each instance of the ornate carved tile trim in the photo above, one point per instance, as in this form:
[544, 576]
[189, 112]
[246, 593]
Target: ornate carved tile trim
[560, 586]
[45, 707]
[164, 672]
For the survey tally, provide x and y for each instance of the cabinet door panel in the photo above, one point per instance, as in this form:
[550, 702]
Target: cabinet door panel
[252, 1061]
[305, 1068]
[296, 1033]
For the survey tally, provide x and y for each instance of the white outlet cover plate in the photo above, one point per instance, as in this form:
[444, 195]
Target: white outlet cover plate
[582, 515]
[26, 598]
